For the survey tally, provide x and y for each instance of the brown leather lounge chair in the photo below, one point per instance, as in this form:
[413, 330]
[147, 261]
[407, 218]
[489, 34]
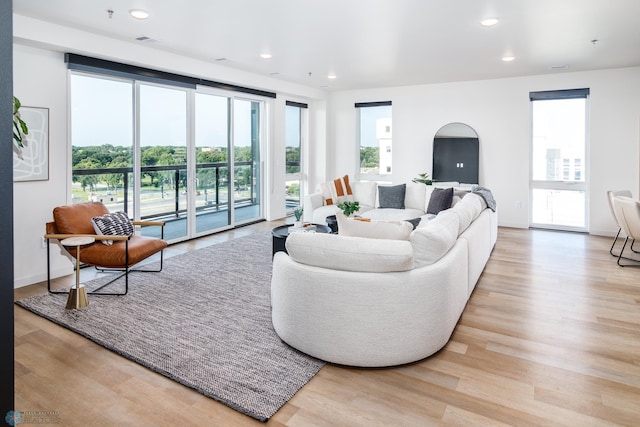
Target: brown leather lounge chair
[124, 253]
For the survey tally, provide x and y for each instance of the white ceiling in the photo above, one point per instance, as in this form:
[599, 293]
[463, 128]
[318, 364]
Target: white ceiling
[371, 43]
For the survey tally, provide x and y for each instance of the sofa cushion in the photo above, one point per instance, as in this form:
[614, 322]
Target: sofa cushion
[337, 191]
[365, 192]
[391, 214]
[391, 196]
[112, 224]
[440, 200]
[415, 196]
[433, 241]
[392, 230]
[465, 215]
[350, 253]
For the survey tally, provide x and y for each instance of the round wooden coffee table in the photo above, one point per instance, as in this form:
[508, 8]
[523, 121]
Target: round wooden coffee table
[281, 233]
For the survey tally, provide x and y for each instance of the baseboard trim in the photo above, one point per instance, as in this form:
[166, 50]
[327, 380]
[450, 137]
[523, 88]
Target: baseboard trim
[30, 280]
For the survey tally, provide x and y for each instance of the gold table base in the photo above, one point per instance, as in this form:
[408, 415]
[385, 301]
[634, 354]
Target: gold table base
[77, 298]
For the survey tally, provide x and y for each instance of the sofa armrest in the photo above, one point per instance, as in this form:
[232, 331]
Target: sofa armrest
[311, 203]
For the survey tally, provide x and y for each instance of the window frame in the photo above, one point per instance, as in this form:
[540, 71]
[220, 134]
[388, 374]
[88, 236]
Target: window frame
[303, 110]
[570, 184]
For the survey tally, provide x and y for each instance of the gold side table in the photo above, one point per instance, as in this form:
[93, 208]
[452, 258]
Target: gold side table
[78, 294]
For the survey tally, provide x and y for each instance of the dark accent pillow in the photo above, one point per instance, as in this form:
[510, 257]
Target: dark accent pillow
[112, 224]
[414, 222]
[441, 199]
[391, 196]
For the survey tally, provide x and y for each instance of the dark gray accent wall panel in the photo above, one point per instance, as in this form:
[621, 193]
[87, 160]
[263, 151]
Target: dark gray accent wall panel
[6, 209]
[456, 159]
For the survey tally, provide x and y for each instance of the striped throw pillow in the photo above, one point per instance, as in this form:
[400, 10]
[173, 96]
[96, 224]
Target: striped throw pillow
[337, 191]
[112, 224]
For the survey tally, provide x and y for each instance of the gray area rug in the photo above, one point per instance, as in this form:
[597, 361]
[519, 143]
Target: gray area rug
[204, 321]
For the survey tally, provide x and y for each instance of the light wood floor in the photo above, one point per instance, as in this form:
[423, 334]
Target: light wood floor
[550, 336]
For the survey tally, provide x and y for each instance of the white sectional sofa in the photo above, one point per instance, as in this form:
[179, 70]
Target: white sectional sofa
[416, 201]
[371, 302]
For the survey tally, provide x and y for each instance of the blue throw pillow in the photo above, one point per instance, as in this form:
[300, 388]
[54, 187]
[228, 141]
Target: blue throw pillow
[391, 196]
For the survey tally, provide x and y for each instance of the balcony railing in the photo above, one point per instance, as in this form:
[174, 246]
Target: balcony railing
[212, 178]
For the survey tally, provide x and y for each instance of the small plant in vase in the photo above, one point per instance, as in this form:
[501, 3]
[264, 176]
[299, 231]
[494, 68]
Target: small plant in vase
[349, 208]
[298, 214]
[423, 178]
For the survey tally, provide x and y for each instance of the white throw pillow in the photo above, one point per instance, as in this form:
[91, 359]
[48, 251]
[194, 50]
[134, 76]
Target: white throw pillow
[365, 192]
[390, 230]
[415, 195]
[433, 241]
[337, 191]
[350, 253]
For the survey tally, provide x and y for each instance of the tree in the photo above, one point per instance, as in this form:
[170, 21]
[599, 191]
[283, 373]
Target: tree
[369, 157]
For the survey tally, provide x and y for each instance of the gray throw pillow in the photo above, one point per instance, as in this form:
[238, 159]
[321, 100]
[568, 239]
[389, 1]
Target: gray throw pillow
[391, 196]
[440, 200]
[414, 222]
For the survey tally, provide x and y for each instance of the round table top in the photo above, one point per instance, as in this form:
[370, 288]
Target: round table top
[77, 241]
[283, 230]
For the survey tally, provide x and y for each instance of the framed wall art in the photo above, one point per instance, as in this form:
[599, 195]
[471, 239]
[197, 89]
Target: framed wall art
[34, 164]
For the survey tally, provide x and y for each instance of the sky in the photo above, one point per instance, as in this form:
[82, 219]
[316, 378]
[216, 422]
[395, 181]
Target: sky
[102, 113]
[368, 117]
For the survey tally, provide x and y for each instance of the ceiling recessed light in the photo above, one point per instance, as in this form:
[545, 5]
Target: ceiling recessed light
[508, 58]
[265, 55]
[331, 76]
[489, 22]
[139, 13]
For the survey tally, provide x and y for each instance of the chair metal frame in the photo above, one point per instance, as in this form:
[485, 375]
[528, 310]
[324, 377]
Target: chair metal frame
[627, 207]
[125, 271]
[610, 196]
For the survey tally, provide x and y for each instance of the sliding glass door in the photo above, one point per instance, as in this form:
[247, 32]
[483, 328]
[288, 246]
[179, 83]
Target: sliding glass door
[162, 170]
[246, 160]
[162, 152]
[227, 151]
[212, 138]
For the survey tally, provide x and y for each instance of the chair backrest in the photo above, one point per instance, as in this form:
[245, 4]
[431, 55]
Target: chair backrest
[631, 214]
[76, 219]
[615, 193]
[628, 213]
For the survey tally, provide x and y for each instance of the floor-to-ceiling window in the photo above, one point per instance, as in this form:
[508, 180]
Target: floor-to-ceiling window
[162, 137]
[169, 152]
[375, 140]
[295, 125]
[102, 136]
[558, 159]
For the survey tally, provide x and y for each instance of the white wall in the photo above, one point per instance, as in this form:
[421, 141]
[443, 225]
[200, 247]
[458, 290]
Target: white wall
[499, 111]
[40, 79]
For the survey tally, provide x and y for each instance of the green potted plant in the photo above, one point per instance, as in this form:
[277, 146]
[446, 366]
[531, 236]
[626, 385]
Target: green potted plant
[298, 214]
[348, 208]
[423, 178]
